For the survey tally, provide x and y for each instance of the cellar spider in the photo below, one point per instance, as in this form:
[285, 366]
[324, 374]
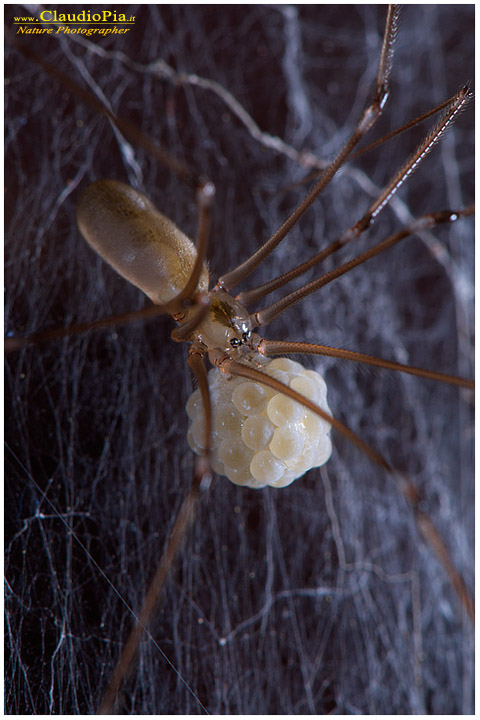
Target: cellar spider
[320, 597]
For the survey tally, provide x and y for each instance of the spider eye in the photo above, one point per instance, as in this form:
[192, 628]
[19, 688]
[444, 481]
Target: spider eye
[245, 337]
[235, 342]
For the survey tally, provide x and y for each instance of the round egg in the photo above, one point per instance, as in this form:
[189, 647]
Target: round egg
[249, 398]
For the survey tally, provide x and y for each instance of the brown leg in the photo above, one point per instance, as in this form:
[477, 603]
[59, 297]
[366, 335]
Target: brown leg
[370, 115]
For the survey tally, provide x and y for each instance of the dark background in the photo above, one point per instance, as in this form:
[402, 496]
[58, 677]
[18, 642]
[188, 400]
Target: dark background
[317, 598]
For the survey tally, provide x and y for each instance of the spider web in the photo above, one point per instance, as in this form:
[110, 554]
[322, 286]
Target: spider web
[314, 599]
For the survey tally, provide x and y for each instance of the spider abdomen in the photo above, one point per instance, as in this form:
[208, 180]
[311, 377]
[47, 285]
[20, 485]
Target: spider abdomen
[124, 227]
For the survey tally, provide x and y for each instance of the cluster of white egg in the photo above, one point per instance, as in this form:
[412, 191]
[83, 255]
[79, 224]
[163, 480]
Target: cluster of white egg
[261, 437]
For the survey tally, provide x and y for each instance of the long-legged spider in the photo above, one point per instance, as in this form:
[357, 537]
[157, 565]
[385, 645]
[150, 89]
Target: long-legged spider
[320, 597]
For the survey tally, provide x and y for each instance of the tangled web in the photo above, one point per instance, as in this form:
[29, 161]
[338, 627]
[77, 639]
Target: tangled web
[317, 598]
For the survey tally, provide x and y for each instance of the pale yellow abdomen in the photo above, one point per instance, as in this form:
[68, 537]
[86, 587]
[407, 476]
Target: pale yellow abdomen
[143, 245]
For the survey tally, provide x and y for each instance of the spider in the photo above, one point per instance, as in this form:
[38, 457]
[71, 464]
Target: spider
[320, 597]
